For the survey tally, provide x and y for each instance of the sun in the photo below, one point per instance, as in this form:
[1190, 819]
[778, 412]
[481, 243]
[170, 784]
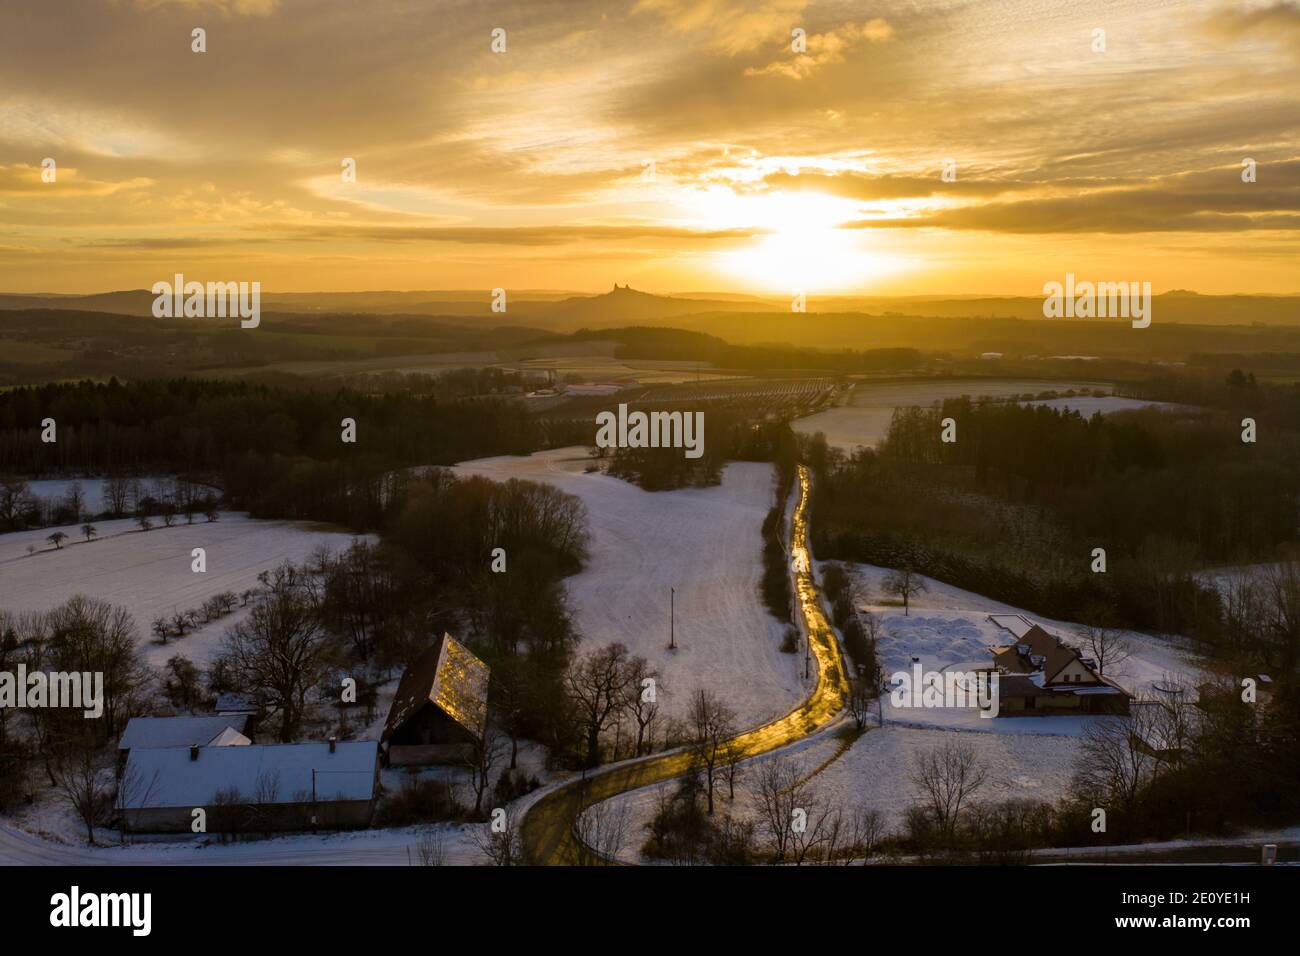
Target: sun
[803, 259]
[802, 244]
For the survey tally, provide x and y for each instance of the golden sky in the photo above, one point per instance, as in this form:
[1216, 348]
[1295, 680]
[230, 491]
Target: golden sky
[773, 170]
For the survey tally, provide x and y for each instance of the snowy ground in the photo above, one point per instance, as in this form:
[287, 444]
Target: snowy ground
[149, 572]
[948, 628]
[863, 420]
[1088, 405]
[875, 773]
[388, 847]
[704, 542]
[56, 489]
[1026, 757]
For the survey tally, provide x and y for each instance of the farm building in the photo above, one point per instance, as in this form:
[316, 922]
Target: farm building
[251, 789]
[155, 732]
[440, 710]
[1040, 675]
[1228, 690]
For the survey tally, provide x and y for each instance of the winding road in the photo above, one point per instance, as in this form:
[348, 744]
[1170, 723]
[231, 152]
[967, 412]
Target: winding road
[548, 826]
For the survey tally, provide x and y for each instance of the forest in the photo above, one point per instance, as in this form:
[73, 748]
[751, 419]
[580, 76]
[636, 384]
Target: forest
[1017, 506]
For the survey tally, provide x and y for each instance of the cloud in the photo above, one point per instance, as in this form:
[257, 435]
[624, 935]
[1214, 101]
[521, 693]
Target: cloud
[732, 26]
[826, 48]
[869, 187]
[504, 235]
[239, 8]
[1213, 200]
[22, 179]
[1269, 22]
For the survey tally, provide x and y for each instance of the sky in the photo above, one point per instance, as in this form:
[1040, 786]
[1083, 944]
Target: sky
[770, 146]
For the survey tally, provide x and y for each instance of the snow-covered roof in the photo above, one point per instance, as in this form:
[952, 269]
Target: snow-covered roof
[260, 773]
[177, 731]
[1017, 624]
[230, 737]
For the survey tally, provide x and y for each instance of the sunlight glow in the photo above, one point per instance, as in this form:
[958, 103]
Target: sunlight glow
[803, 247]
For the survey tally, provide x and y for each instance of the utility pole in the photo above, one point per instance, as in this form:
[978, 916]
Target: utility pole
[672, 622]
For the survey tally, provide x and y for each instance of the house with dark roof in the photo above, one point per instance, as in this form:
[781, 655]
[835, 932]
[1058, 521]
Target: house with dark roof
[440, 711]
[1040, 674]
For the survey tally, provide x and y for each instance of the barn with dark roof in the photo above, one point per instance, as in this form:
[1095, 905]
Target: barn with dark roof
[440, 711]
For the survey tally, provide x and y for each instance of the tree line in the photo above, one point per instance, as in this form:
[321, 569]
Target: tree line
[1016, 505]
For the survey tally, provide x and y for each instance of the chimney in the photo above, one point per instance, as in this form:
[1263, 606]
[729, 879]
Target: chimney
[194, 751]
[333, 744]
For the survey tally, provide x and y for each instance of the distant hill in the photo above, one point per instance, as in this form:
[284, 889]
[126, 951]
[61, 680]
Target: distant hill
[624, 306]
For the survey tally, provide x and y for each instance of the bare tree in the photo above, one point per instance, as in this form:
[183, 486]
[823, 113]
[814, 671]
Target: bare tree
[14, 498]
[779, 793]
[90, 635]
[860, 696]
[948, 777]
[733, 757]
[179, 622]
[280, 647]
[74, 501]
[1282, 614]
[266, 788]
[641, 701]
[1109, 647]
[481, 758]
[134, 789]
[1244, 615]
[431, 847]
[89, 530]
[811, 828]
[57, 539]
[603, 828]
[597, 685]
[712, 724]
[1174, 720]
[905, 584]
[117, 494]
[837, 843]
[85, 783]
[1115, 760]
[868, 829]
[500, 841]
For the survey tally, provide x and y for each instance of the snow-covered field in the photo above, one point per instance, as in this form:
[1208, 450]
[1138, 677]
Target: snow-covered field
[875, 773]
[948, 628]
[56, 489]
[704, 542]
[1026, 757]
[149, 572]
[385, 847]
[863, 420]
[1089, 405]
